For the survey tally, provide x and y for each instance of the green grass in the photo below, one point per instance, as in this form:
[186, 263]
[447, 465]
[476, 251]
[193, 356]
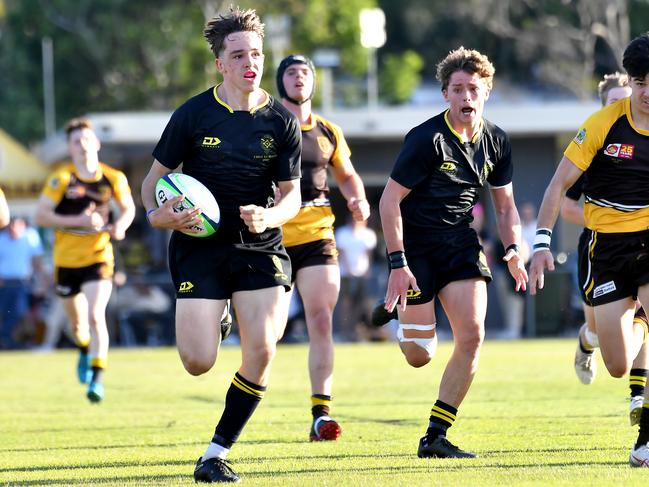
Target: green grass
[527, 416]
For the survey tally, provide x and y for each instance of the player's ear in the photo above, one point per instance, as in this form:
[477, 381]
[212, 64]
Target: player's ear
[219, 65]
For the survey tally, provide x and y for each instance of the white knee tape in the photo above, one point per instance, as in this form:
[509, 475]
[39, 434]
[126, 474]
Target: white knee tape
[428, 344]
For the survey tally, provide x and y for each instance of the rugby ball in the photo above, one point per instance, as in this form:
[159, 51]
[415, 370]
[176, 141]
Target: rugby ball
[196, 195]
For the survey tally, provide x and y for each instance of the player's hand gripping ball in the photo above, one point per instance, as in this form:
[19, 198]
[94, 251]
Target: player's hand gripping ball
[196, 195]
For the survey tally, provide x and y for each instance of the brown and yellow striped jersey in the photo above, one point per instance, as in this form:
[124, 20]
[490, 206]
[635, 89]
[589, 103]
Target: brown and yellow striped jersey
[79, 247]
[323, 145]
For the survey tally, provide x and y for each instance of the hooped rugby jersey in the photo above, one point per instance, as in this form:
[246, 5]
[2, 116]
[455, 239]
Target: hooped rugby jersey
[614, 154]
[237, 154]
[80, 247]
[323, 145]
[444, 174]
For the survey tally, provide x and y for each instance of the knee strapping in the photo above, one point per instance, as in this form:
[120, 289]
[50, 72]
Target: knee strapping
[424, 336]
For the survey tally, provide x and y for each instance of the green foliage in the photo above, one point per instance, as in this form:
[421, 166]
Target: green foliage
[400, 76]
[526, 415]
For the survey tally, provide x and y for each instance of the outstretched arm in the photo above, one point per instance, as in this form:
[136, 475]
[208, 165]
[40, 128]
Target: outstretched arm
[564, 177]
[509, 229]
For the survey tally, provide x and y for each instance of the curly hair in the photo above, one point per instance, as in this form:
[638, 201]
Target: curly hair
[237, 20]
[468, 60]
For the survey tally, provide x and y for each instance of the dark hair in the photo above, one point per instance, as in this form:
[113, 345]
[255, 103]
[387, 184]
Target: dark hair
[283, 66]
[636, 56]
[237, 20]
[467, 60]
[77, 124]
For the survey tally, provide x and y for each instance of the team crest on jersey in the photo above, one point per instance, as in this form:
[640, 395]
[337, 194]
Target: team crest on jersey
[54, 183]
[325, 144]
[624, 151]
[267, 144]
[580, 137]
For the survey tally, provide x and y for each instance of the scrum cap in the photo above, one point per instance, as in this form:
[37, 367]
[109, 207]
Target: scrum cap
[283, 66]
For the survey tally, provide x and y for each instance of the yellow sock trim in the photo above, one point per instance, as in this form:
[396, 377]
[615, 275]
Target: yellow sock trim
[246, 388]
[80, 342]
[442, 414]
[99, 362]
[316, 401]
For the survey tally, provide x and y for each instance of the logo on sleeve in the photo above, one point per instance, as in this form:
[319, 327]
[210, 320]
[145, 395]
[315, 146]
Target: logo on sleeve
[580, 137]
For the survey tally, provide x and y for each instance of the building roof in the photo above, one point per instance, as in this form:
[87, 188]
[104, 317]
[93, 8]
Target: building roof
[123, 129]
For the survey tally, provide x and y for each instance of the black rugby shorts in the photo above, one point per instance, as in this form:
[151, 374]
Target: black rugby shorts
[201, 268]
[454, 256]
[70, 279]
[612, 265]
[320, 252]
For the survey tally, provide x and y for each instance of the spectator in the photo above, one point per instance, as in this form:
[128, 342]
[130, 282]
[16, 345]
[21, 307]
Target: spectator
[355, 242]
[20, 260]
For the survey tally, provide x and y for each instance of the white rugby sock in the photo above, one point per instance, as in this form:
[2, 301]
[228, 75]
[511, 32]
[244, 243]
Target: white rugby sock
[591, 338]
[215, 451]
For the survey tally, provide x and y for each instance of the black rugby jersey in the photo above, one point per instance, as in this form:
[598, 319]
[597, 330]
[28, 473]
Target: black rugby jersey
[575, 191]
[238, 155]
[614, 154]
[444, 173]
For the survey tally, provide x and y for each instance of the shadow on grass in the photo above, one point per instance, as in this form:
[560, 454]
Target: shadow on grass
[426, 463]
[424, 467]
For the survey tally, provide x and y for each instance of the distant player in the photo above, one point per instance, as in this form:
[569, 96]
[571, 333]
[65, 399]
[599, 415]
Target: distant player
[4, 210]
[309, 237]
[75, 201]
[612, 149]
[241, 143]
[612, 88]
[433, 252]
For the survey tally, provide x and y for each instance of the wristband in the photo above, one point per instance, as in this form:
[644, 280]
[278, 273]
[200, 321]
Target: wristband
[397, 259]
[515, 247]
[542, 239]
[148, 213]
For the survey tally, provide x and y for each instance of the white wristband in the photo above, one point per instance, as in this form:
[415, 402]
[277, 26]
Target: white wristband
[542, 239]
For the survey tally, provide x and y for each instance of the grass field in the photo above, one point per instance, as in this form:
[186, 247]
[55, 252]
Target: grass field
[527, 416]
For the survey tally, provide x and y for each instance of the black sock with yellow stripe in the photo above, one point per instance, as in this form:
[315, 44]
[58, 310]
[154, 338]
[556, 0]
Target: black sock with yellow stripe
[442, 417]
[98, 366]
[637, 381]
[240, 402]
[643, 433]
[320, 405]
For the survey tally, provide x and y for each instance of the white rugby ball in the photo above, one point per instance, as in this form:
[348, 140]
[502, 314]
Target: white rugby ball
[196, 195]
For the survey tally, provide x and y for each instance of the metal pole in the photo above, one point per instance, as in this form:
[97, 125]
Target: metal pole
[48, 86]
[372, 79]
[327, 90]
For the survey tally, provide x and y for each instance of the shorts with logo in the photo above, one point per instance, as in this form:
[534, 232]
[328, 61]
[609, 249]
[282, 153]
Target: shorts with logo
[319, 252]
[205, 269]
[450, 256]
[612, 265]
[70, 279]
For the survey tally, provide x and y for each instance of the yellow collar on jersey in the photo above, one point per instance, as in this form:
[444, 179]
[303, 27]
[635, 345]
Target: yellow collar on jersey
[475, 136]
[231, 110]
